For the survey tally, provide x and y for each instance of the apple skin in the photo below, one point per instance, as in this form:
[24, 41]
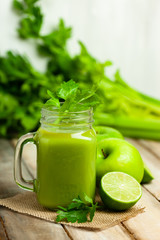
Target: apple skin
[118, 155]
[107, 132]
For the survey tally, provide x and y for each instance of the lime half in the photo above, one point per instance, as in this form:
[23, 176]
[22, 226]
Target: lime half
[119, 191]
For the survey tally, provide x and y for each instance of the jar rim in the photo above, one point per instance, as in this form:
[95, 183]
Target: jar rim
[52, 118]
[54, 108]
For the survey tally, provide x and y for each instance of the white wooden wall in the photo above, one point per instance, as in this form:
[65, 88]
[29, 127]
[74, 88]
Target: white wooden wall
[126, 32]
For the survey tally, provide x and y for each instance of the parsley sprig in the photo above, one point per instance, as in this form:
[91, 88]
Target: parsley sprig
[78, 210]
[73, 98]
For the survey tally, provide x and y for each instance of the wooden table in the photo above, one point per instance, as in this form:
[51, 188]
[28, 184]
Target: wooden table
[15, 226]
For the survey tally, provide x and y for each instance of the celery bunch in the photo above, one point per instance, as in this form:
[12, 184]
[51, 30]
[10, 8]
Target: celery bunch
[23, 89]
[131, 112]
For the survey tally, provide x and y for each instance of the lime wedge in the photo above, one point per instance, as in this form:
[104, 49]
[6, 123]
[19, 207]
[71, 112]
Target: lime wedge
[119, 191]
[147, 177]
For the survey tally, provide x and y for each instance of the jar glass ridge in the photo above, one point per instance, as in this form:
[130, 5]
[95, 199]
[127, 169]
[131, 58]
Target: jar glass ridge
[54, 120]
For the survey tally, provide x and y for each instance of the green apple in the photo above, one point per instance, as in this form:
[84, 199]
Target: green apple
[107, 132]
[115, 154]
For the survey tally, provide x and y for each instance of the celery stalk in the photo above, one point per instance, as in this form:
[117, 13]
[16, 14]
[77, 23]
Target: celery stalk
[140, 133]
[126, 122]
[131, 112]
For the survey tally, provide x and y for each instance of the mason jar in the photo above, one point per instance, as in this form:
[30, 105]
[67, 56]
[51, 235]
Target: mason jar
[66, 157]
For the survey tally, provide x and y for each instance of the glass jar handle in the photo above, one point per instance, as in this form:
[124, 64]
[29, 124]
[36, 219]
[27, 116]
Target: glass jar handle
[18, 177]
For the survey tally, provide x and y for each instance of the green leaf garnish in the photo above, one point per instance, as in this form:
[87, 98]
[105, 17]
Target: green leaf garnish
[73, 98]
[53, 101]
[78, 210]
[67, 90]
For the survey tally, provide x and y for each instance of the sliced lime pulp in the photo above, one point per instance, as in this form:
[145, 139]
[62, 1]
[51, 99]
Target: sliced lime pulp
[119, 191]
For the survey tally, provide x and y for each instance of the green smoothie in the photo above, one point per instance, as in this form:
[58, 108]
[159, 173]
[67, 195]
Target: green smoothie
[65, 166]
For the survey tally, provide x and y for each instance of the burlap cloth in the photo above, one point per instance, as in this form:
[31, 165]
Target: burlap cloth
[27, 204]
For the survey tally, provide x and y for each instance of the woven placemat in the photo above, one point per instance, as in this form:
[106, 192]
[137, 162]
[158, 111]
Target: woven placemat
[27, 204]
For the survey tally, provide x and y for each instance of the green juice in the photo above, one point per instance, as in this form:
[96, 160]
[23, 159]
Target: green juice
[66, 166]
